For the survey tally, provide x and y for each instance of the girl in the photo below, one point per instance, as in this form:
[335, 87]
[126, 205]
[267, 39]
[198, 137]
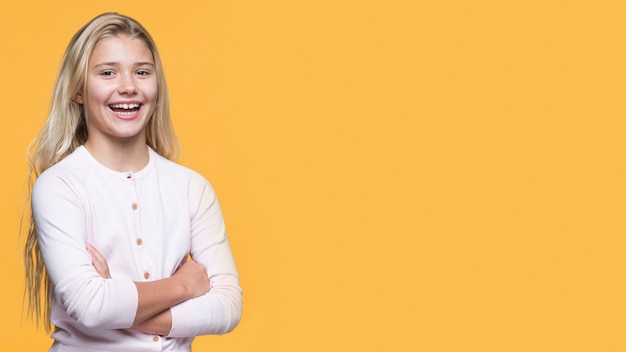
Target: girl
[114, 221]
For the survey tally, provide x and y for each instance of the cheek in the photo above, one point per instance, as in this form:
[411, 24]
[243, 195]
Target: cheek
[97, 93]
[151, 91]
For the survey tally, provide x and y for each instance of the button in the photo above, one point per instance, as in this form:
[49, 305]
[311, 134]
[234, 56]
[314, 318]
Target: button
[139, 241]
[146, 275]
[134, 206]
[155, 339]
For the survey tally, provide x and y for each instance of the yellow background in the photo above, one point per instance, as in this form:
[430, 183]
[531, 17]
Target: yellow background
[395, 175]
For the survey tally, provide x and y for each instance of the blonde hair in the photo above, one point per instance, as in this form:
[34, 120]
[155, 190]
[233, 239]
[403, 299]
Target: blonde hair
[66, 129]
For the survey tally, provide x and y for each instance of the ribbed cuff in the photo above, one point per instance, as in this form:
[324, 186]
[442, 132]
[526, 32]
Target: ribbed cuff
[128, 301]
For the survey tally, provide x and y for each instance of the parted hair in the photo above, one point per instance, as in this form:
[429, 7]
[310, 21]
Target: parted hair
[66, 129]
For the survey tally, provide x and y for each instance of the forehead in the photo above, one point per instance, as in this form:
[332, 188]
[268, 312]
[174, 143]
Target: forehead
[121, 49]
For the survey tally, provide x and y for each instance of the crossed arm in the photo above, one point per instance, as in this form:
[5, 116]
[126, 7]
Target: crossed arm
[156, 297]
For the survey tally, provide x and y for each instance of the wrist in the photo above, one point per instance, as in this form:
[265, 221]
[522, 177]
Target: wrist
[181, 290]
[160, 324]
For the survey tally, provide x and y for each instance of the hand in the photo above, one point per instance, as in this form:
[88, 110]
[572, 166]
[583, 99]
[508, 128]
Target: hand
[99, 262]
[194, 278]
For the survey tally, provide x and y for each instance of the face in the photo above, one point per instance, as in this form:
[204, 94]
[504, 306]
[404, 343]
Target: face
[121, 91]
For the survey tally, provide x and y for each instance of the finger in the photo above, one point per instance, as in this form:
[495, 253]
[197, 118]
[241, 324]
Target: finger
[101, 267]
[95, 255]
[98, 261]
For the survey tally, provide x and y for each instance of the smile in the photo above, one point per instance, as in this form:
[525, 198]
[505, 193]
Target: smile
[125, 110]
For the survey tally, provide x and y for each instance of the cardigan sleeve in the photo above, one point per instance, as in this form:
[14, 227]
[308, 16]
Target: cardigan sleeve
[60, 222]
[219, 310]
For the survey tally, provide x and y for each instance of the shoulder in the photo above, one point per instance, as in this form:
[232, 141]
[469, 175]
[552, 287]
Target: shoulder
[64, 180]
[70, 170]
[184, 180]
[179, 173]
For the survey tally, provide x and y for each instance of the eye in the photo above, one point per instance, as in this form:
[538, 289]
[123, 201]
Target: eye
[143, 73]
[107, 73]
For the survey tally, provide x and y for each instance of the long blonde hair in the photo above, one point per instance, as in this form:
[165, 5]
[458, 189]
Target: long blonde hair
[66, 129]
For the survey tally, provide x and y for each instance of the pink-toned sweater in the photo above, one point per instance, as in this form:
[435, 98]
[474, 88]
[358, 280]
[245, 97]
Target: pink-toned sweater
[145, 224]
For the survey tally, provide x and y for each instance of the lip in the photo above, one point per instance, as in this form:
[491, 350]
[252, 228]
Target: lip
[126, 115]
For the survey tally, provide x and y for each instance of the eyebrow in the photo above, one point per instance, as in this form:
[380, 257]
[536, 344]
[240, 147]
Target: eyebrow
[137, 64]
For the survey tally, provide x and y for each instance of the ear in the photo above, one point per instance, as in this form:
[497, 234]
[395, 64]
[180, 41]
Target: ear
[78, 98]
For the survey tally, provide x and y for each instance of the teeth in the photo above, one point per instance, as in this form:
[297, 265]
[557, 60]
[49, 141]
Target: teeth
[125, 106]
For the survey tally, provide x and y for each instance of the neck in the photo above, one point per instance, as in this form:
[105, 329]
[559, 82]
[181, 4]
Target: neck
[132, 156]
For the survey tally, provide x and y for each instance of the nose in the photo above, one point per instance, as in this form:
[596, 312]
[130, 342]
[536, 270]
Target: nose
[127, 85]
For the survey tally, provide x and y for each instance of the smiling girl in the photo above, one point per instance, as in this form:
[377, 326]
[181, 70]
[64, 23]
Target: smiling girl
[114, 220]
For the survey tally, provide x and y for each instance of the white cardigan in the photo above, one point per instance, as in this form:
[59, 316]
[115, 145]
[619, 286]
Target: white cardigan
[145, 224]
